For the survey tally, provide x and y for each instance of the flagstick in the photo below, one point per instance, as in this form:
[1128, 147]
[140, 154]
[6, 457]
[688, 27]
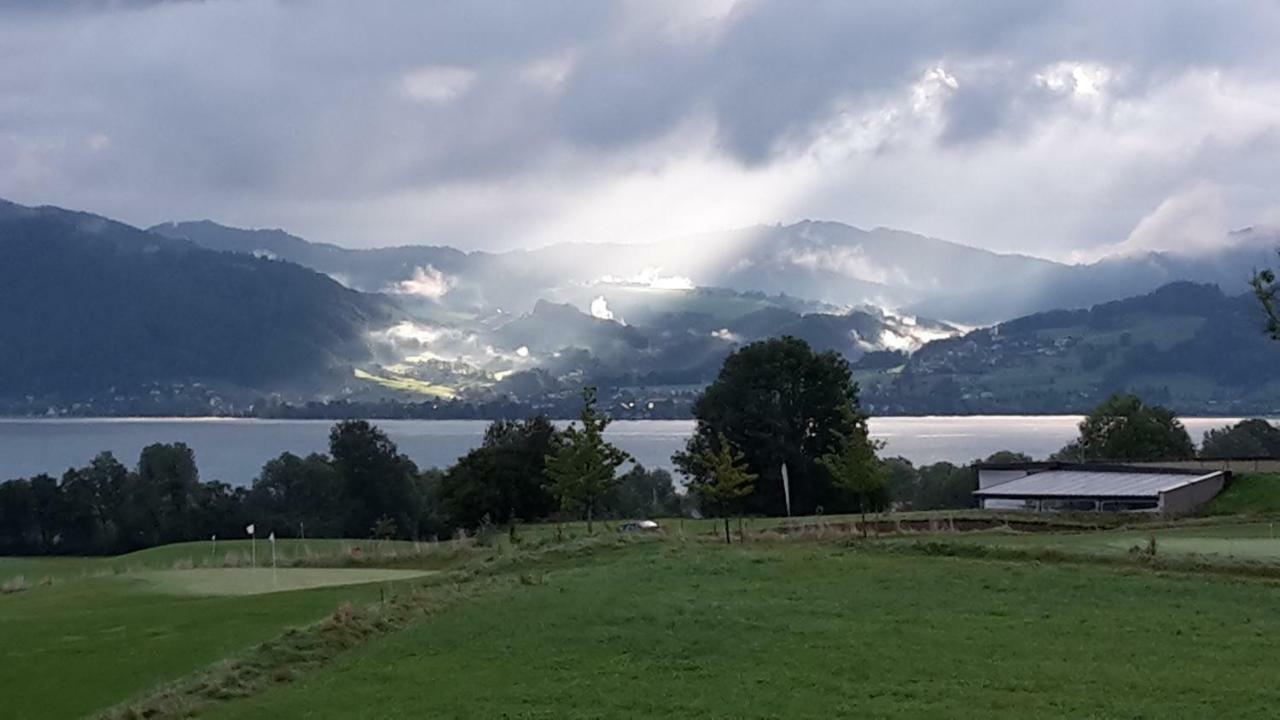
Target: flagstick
[254, 549]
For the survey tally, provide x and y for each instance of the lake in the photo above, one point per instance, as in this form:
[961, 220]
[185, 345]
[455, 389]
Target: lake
[234, 450]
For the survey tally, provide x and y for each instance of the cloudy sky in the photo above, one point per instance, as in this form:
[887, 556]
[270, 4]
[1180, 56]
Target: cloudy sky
[1065, 129]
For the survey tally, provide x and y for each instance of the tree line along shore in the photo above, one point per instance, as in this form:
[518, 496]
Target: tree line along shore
[776, 404]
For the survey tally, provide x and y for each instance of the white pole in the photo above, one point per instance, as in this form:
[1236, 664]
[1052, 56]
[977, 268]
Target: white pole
[253, 545]
[786, 488]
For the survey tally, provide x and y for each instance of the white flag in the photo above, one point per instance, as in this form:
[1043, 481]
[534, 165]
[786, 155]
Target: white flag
[249, 529]
[213, 537]
[786, 488]
[272, 537]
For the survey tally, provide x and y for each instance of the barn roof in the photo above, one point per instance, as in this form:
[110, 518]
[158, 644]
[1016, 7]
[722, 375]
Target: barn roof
[1092, 483]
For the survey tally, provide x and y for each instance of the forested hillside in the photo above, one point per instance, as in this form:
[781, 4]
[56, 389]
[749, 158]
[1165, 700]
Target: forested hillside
[95, 306]
[1188, 346]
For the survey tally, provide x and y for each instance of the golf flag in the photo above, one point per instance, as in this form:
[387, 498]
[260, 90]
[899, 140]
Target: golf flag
[253, 552]
[786, 488]
[272, 539]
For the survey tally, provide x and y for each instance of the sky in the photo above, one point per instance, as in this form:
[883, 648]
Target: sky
[1069, 130]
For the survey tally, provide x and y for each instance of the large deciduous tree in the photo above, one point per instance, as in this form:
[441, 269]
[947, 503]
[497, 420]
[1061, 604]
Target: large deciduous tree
[1124, 428]
[780, 402]
[1255, 438]
[378, 481]
[582, 470]
[502, 480]
[299, 496]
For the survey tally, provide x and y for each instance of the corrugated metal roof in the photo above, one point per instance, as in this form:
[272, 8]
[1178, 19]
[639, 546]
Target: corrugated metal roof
[1065, 483]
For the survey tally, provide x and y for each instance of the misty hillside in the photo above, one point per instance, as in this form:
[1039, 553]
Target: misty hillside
[91, 304]
[823, 263]
[1081, 286]
[1190, 346]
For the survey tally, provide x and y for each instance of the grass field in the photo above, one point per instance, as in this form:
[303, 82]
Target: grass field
[812, 623]
[101, 630]
[812, 631]
[1249, 493]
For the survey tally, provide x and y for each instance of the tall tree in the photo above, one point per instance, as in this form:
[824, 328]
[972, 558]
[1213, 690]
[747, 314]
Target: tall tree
[1253, 438]
[47, 504]
[582, 470]
[779, 402]
[378, 481]
[171, 484]
[503, 478]
[1124, 428]
[725, 482]
[18, 529]
[295, 496]
[855, 469]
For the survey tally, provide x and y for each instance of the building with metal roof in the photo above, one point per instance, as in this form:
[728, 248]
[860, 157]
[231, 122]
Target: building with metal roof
[1095, 488]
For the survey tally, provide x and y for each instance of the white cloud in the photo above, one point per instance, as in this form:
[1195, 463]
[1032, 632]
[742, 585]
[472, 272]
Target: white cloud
[1191, 221]
[549, 72]
[652, 277]
[1047, 128]
[427, 282]
[436, 84]
[600, 309]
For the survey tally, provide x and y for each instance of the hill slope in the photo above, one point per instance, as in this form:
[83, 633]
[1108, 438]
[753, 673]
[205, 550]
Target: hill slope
[1186, 345]
[92, 304]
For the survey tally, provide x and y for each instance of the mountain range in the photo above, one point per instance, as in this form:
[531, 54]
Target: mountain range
[105, 318]
[826, 262]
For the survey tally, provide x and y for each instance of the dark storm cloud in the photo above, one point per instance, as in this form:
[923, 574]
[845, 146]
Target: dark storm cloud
[472, 122]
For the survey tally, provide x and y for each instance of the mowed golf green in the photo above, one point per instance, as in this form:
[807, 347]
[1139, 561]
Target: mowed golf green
[809, 630]
[256, 581]
[92, 632]
[228, 553]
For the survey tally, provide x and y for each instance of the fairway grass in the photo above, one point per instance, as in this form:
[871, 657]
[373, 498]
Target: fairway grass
[92, 632]
[79, 647]
[806, 630]
[256, 581]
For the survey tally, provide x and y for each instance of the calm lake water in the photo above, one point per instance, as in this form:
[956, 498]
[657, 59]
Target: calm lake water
[234, 450]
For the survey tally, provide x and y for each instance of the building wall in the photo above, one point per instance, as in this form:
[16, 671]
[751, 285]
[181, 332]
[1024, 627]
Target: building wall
[1189, 498]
